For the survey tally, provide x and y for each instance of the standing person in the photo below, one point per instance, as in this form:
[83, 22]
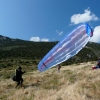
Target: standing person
[19, 78]
[59, 68]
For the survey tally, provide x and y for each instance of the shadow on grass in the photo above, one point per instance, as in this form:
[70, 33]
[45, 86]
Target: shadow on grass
[32, 85]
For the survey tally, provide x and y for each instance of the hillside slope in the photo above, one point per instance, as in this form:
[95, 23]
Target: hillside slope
[74, 82]
[24, 48]
[21, 49]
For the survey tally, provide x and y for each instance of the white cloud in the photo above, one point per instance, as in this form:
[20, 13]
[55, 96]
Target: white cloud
[59, 33]
[85, 17]
[96, 35]
[45, 40]
[37, 39]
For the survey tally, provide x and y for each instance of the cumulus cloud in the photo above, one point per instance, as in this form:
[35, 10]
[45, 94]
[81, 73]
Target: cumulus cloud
[85, 17]
[96, 35]
[59, 33]
[44, 39]
[37, 39]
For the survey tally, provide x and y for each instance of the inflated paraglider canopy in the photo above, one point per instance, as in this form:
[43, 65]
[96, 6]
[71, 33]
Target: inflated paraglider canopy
[67, 48]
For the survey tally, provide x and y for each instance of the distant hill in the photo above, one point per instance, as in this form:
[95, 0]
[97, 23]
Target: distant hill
[24, 49]
[17, 48]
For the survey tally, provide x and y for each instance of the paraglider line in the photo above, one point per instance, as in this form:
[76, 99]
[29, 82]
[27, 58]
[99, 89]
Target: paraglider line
[44, 65]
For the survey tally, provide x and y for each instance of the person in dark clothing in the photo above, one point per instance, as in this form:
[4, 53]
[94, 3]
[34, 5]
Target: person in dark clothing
[19, 78]
[98, 64]
[59, 68]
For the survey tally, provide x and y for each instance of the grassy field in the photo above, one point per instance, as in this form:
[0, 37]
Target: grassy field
[74, 82]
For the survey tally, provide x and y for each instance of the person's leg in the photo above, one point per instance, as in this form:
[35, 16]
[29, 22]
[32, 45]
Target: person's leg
[58, 69]
[21, 81]
[18, 82]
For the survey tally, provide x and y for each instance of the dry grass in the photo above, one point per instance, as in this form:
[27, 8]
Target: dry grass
[74, 82]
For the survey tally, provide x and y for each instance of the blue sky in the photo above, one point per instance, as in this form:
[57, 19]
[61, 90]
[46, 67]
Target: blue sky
[47, 20]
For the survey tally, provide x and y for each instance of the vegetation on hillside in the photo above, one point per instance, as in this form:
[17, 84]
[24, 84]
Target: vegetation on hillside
[16, 48]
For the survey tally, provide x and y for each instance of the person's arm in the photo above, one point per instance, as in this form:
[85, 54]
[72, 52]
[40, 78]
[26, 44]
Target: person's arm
[23, 72]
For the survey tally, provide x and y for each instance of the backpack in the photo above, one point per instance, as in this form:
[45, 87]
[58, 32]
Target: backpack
[14, 77]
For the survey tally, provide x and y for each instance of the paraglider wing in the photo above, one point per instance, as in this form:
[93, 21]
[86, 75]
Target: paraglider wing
[68, 47]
